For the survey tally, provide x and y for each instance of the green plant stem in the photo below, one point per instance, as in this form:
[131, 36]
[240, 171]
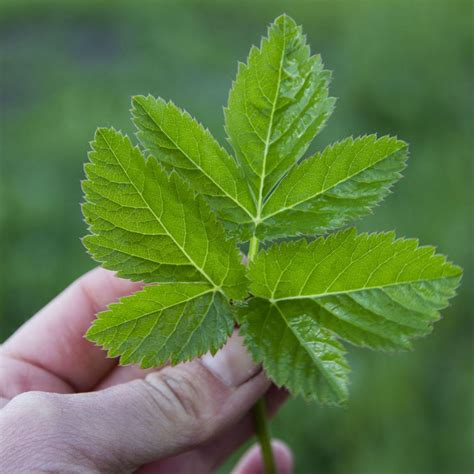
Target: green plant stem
[263, 435]
[259, 412]
[253, 248]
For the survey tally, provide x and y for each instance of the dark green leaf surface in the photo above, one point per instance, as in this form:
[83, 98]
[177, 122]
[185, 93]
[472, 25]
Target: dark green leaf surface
[296, 351]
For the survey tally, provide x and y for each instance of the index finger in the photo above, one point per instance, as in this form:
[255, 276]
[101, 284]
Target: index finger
[53, 339]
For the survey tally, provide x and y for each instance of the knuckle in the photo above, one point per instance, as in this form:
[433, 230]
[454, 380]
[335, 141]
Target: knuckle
[35, 411]
[180, 399]
[33, 403]
[30, 423]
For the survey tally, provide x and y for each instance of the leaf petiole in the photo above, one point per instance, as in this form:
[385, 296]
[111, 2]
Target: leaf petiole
[262, 429]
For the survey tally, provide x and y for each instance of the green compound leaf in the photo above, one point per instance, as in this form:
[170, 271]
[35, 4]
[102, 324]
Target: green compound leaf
[322, 193]
[344, 262]
[369, 289]
[278, 103]
[166, 219]
[296, 351]
[173, 321]
[340, 184]
[148, 225]
[182, 144]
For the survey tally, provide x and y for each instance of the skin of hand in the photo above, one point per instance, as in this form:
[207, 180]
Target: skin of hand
[66, 407]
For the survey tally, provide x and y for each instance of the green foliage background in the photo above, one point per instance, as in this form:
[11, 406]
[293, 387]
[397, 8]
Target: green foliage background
[402, 68]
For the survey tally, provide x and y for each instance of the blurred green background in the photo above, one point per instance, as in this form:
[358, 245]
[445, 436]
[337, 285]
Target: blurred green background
[400, 67]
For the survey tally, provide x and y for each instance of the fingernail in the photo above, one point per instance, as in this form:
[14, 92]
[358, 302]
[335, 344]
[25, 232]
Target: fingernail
[232, 364]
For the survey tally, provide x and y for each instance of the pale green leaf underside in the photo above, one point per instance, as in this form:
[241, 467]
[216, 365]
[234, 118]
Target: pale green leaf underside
[179, 142]
[150, 219]
[278, 103]
[296, 351]
[322, 193]
[148, 225]
[340, 184]
[369, 289]
[344, 262]
[170, 322]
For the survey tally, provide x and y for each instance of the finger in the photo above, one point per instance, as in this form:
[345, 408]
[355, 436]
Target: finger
[53, 339]
[252, 461]
[208, 457]
[171, 411]
[123, 374]
[17, 376]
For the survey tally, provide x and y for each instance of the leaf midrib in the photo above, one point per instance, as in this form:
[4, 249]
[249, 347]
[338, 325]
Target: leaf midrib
[201, 270]
[333, 383]
[324, 190]
[150, 313]
[235, 200]
[205, 314]
[269, 131]
[355, 290]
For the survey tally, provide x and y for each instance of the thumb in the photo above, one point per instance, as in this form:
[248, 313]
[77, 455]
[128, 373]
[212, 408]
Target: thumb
[170, 411]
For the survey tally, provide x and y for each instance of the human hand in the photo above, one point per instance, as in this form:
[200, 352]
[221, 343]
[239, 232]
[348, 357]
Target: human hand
[68, 408]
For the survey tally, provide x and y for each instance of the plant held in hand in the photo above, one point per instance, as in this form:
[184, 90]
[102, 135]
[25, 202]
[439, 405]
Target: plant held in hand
[179, 216]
